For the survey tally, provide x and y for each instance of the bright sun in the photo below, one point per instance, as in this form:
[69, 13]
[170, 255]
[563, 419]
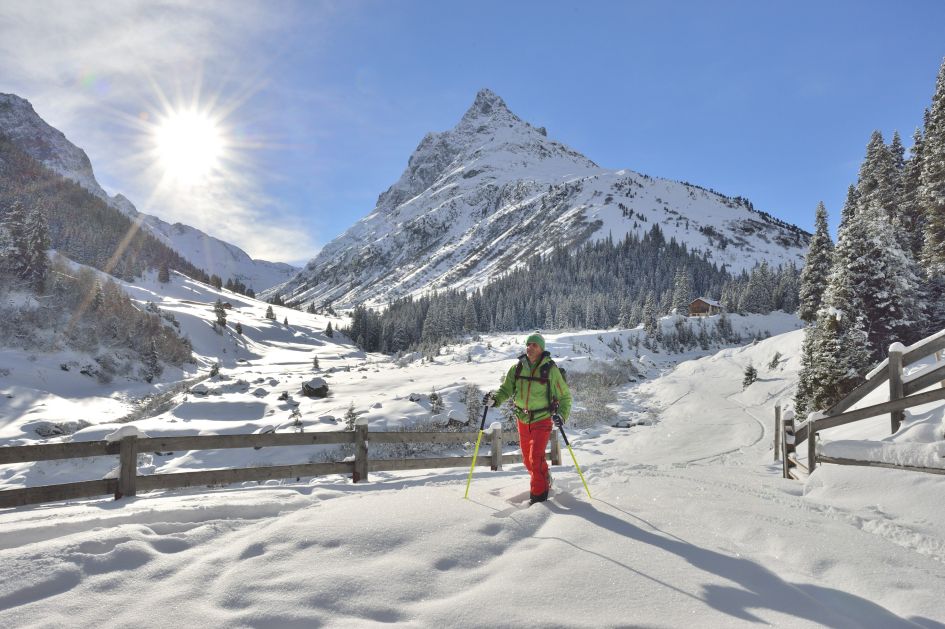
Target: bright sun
[189, 145]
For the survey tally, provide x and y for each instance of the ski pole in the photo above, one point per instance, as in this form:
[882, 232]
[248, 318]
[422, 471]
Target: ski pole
[581, 474]
[485, 411]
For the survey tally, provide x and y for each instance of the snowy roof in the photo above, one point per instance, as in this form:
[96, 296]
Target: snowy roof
[711, 302]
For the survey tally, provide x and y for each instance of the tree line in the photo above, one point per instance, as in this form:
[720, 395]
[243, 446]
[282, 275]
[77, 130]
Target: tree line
[884, 279]
[600, 285]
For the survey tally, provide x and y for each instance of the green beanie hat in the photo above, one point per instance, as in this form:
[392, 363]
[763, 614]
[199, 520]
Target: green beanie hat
[536, 338]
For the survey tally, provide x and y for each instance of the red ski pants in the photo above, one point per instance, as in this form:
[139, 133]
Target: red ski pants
[534, 439]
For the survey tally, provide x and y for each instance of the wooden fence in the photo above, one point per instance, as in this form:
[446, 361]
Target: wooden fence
[903, 394]
[128, 482]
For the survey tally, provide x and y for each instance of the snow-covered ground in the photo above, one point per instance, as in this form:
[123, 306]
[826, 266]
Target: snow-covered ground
[690, 523]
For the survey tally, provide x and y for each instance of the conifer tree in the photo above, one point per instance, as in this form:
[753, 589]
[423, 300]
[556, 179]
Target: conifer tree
[351, 418]
[805, 378]
[269, 313]
[682, 292]
[164, 274]
[220, 312]
[650, 323]
[37, 244]
[758, 292]
[932, 183]
[912, 219]
[328, 331]
[816, 268]
[839, 360]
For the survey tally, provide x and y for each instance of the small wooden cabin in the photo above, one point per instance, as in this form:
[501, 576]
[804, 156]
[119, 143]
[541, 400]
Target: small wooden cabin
[703, 307]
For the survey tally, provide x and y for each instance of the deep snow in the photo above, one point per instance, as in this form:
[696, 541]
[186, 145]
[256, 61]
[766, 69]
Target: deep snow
[690, 524]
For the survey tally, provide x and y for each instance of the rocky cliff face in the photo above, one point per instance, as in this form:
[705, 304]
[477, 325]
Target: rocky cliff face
[20, 122]
[493, 191]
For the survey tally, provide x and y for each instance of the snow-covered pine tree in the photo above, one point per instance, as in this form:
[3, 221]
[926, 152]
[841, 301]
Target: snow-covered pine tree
[470, 317]
[839, 359]
[351, 418]
[805, 383]
[164, 274]
[890, 287]
[270, 314]
[152, 364]
[911, 217]
[758, 292]
[328, 331]
[37, 244]
[650, 323]
[682, 292]
[816, 268]
[220, 313]
[436, 403]
[786, 289]
[932, 182]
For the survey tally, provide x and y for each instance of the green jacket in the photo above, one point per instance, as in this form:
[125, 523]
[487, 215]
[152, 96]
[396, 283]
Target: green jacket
[532, 395]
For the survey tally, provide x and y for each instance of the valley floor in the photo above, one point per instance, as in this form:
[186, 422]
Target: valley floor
[690, 524]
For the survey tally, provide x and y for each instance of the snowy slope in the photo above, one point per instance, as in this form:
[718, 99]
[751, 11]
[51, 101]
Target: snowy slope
[494, 190]
[689, 525]
[50, 147]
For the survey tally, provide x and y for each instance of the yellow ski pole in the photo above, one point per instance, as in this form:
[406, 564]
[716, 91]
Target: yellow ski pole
[581, 474]
[485, 411]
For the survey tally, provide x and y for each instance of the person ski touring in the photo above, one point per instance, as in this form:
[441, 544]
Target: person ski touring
[542, 401]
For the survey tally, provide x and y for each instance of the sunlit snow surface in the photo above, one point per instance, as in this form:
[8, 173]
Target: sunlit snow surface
[690, 524]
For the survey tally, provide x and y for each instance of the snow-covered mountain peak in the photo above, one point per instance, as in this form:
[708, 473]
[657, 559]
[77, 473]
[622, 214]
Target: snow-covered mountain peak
[486, 141]
[488, 106]
[475, 200]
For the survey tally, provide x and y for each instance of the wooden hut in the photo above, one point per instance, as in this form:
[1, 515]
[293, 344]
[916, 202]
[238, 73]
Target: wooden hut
[703, 307]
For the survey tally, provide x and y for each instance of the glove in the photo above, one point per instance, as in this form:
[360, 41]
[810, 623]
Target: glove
[489, 399]
[558, 420]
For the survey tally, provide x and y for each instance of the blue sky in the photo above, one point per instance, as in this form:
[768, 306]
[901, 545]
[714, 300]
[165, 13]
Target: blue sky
[323, 103]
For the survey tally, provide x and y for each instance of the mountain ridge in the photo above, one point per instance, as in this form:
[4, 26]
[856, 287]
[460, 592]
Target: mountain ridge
[20, 122]
[494, 191]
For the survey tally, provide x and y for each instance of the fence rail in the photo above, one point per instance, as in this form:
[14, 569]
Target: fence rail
[129, 482]
[903, 394]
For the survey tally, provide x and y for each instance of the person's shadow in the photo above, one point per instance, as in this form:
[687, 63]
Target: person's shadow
[758, 587]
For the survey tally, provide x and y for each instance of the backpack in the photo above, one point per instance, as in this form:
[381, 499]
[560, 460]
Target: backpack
[544, 374]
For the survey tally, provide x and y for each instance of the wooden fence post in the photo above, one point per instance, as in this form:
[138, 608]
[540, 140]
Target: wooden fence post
[555, 449]
[777, 430]
[497, 449]
[360, 473]
[811, 445]
[895, 384]
[787, 444]
[127, 467]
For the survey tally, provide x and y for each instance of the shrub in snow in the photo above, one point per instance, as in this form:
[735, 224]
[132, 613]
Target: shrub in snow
[472, 398]
[351, 417]
[436, 403]
[751, 374]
